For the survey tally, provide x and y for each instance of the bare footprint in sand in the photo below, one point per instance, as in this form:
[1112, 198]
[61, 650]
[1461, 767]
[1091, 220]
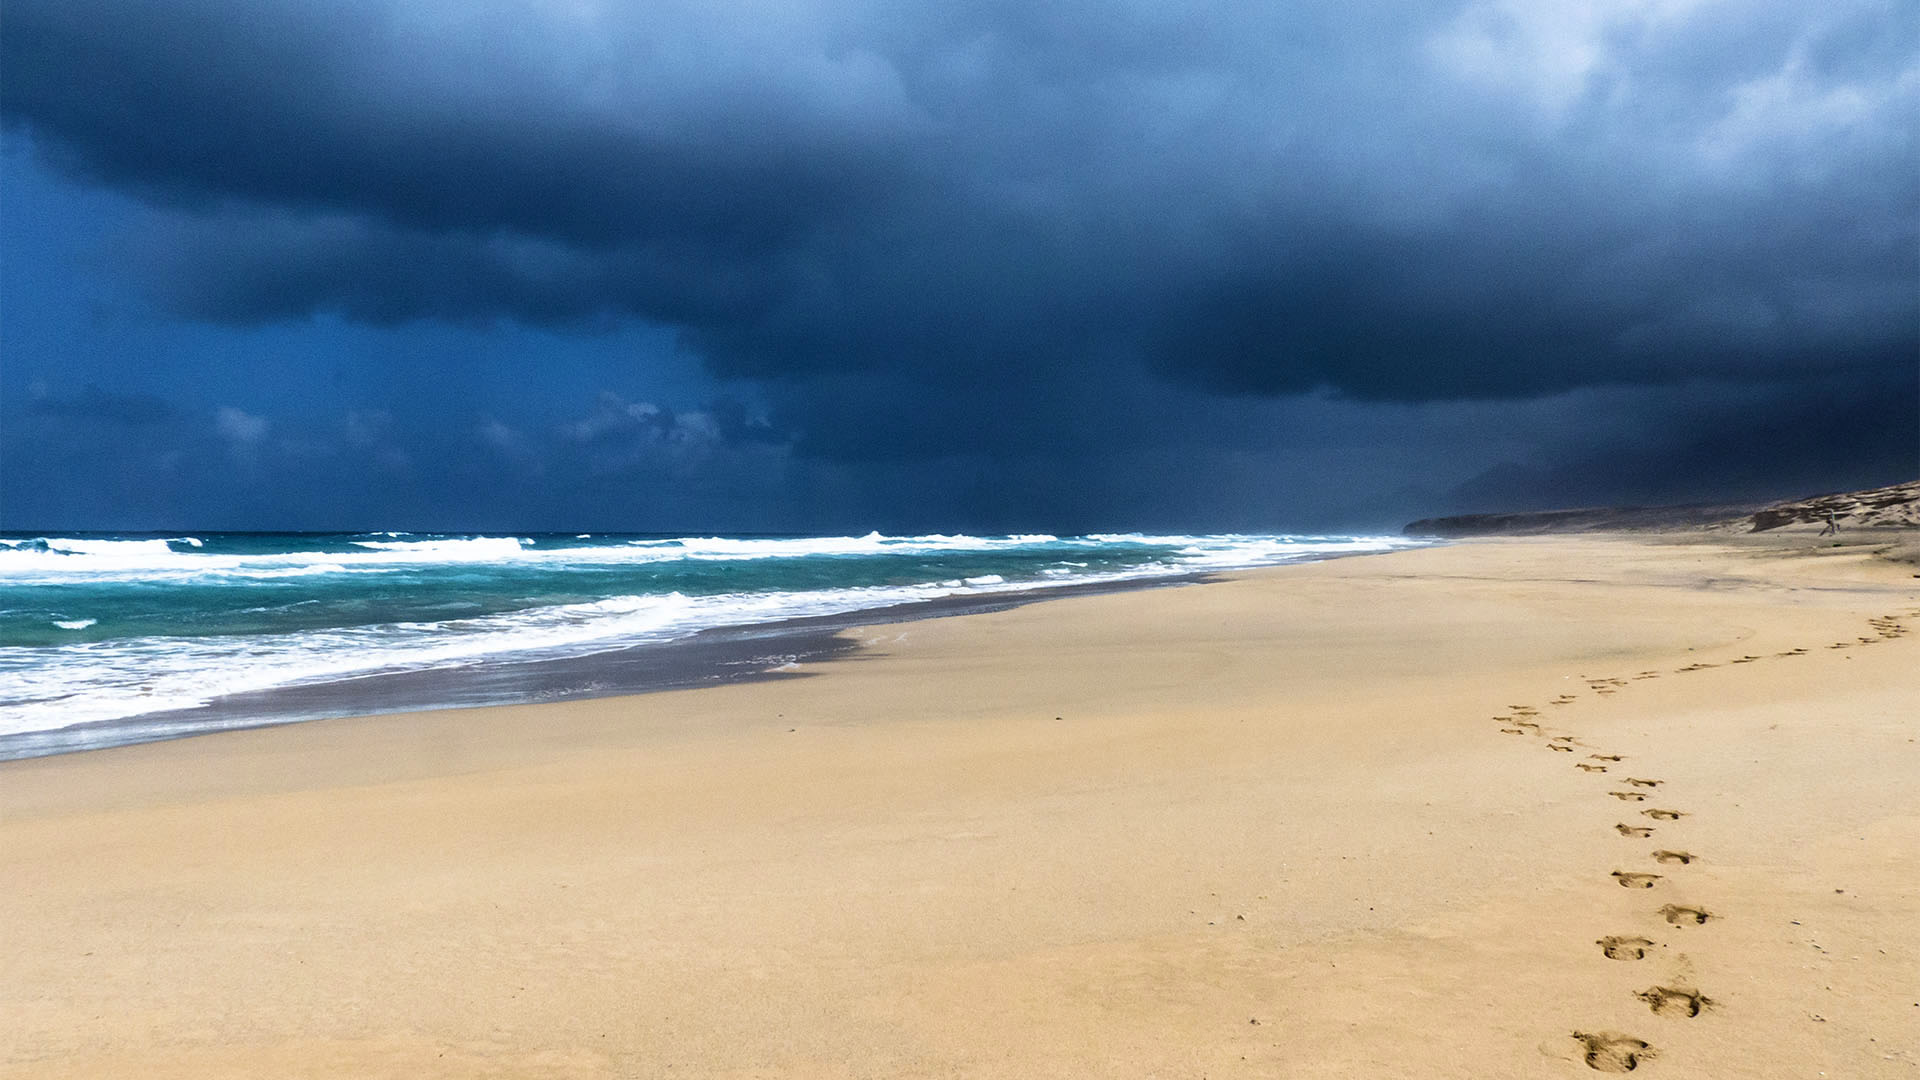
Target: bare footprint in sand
[1617, 947]
[1562, 747]
[1629, 796]
[1612, 1052]
[1631, 880]
[1637, 782]
[1639, 831]
[1662, 815]
[1511, 731]
[1604, 757]
[1685, 916]
[1674, 1000]
[1587, 766]
[1681, 857]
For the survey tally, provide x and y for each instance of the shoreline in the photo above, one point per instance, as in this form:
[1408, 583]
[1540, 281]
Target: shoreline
[713, 656]
[1309, 824]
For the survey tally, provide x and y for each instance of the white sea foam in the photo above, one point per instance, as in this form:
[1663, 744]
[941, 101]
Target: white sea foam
[54, 686]
[471, 549]
[58, 560]
[74, 624]
[720, 547]
[58, 687]
[109, 547]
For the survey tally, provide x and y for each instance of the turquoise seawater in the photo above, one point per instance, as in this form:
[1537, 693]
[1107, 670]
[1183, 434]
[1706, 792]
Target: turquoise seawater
[98, 627]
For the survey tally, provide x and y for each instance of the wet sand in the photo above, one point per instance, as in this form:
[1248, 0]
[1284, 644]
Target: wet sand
[1379, 817]
[708, 658]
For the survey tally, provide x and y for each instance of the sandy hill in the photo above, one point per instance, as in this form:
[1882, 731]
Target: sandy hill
[1894, 506]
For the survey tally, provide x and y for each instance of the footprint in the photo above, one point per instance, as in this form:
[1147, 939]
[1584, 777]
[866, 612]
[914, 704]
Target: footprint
[1685, 916]
[1637, 782]
[1561, 738]
[1681, 857]
[1604, 757]
[1630, 880]
[1662, 815]
[1641, 831]
[1562, 747]
[1624, 948]
[1612, 1052]
[1589, 767]
[1674, 1001]
[1629, 796]
[1511, 731]
[1526, 724]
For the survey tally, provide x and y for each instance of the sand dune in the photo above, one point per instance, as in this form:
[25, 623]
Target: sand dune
[1511, 808]
[1896, 506]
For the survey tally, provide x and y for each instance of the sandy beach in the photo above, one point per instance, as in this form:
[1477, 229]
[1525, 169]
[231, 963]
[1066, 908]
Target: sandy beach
[1453, 812]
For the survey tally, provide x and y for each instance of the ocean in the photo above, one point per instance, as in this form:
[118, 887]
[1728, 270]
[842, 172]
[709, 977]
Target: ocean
[212, 630]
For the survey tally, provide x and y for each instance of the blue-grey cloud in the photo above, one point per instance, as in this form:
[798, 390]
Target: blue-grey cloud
[1016, 260]
[1398, 202]
[1732, 447]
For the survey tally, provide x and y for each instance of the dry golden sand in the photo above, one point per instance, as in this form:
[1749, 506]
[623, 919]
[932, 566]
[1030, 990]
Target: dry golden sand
[1266, 827]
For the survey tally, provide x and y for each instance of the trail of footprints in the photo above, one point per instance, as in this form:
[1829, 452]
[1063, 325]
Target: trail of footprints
[1612, 1051]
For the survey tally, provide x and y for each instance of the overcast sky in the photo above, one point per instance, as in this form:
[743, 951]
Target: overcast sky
[808, 266]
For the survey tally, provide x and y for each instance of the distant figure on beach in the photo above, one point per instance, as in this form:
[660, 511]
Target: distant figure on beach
[1833, 526]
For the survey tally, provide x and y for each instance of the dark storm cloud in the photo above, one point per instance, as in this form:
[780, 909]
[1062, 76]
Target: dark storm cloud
[1734, 446]
[1394, 201]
